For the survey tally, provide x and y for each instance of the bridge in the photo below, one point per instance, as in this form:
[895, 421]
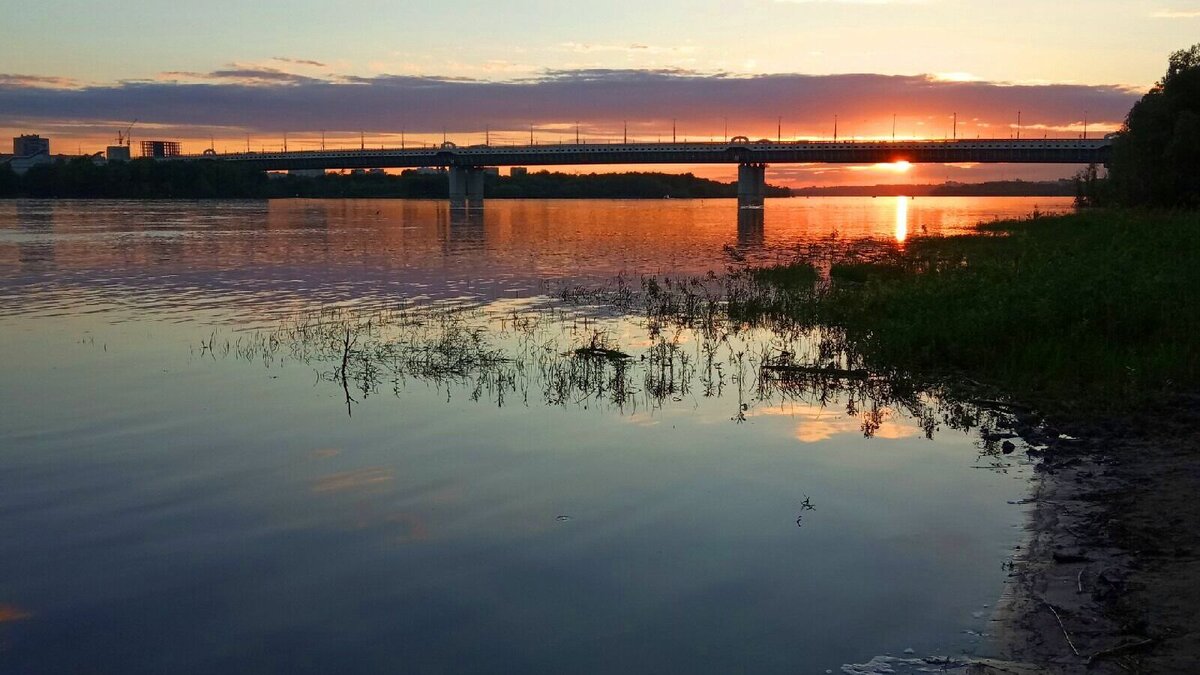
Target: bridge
[465, 165]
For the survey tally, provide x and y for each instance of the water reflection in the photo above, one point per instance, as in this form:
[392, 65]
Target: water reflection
[466, 226]
[750, 228]
[901, 219]
[268, 257]
[526, 484]
[509, 356]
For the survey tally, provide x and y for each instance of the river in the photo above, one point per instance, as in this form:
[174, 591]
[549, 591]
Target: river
[372, 436]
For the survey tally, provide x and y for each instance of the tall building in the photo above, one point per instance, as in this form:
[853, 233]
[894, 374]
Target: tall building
[27, 145]
[161, 149]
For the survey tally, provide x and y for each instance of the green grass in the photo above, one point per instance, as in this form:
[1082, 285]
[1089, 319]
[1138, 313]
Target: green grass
[796, 277]
[1096, 311]
[864, 272]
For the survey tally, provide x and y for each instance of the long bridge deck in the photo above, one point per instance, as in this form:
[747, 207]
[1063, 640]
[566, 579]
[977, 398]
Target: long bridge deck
[466, 164]
[1037, 151]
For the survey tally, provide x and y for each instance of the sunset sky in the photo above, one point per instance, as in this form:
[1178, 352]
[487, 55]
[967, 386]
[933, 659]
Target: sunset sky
[79, 71]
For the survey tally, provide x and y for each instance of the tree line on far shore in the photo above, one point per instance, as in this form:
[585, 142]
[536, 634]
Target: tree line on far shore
[148, 179]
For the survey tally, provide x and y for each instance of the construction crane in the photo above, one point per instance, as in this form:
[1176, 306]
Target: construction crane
[124, 139]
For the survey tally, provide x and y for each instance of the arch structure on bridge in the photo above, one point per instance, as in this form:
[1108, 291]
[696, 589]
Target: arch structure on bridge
[465, 164]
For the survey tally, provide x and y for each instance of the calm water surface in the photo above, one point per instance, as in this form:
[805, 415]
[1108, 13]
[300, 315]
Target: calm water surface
[354, 436]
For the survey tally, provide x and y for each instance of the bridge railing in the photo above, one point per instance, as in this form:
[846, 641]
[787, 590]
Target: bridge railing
[816, 146]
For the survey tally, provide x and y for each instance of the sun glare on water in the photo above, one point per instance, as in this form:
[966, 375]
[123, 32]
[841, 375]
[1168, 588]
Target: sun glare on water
[901, 219]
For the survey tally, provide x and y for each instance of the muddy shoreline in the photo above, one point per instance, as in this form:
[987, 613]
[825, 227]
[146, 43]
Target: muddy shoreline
[1107, 580]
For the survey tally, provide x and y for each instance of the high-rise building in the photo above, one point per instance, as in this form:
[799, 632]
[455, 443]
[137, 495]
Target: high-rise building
[161, 149]
[27, 145]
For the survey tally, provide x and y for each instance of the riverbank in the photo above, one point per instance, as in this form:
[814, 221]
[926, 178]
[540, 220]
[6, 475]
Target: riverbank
[1081, 314]
[1089, 321]
[1107, 582]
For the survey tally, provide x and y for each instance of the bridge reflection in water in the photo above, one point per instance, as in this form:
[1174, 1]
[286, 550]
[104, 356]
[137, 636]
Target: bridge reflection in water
[750, 223]
[373, 251]
[467, 224]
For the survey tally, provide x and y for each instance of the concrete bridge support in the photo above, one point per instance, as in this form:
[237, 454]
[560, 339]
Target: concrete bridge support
[752, 184]
[466, 186]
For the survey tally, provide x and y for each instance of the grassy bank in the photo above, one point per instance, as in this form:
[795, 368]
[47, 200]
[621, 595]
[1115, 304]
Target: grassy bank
[1091, 312]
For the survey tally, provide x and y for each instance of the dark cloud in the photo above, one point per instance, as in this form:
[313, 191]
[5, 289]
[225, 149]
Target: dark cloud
[270, 100]
[244, 75]
[618, 76]
[267, 75]
[299, 62]
[11, 80]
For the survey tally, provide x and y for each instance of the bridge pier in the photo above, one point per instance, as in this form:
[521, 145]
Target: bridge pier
[752, 184]
[466, 185]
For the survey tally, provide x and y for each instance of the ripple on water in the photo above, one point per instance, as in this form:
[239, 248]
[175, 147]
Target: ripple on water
[187, 434]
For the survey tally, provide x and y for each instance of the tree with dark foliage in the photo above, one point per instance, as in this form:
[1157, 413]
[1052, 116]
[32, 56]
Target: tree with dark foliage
[1156, 158]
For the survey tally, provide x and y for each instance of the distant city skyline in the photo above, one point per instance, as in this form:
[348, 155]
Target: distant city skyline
[223, 74]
